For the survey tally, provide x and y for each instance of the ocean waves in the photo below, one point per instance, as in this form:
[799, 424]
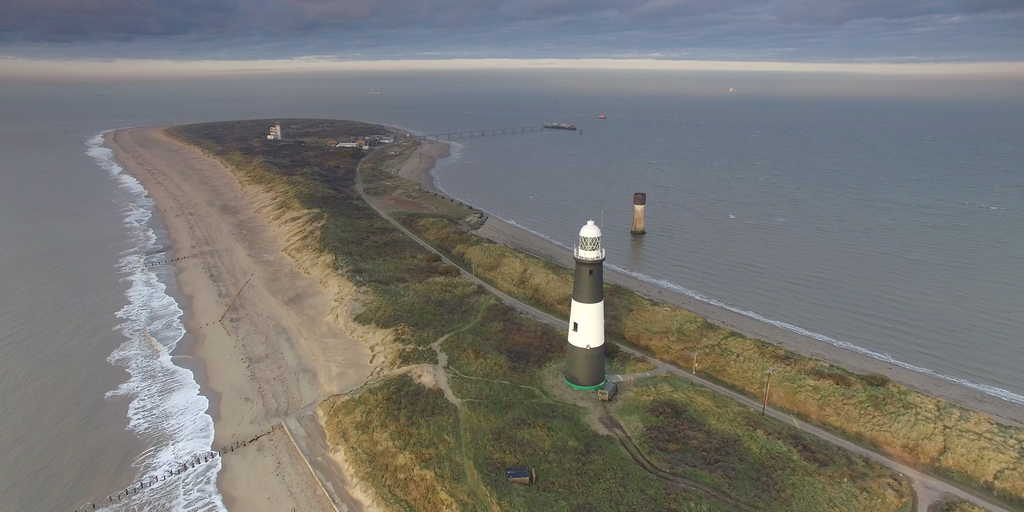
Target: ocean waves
[166, 410]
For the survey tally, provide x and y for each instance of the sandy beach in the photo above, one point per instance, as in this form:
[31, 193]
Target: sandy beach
[417, 168]
[270, 322]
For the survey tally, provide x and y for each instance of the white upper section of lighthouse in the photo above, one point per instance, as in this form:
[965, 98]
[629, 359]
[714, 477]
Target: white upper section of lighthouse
[589, 247]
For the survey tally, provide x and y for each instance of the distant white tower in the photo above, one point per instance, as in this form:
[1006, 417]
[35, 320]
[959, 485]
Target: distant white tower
[275, 132]
[584, 357]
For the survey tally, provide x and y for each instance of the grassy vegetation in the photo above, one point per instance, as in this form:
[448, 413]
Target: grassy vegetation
[404, 431]
[932, 433]
[513, 420]
[622, 362]
[756, 459]
[404, 438]
[955, 506]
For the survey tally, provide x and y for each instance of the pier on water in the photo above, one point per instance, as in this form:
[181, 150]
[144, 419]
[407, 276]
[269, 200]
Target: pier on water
[483, 133]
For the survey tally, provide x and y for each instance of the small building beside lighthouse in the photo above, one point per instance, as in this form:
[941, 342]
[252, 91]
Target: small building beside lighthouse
[584, 357]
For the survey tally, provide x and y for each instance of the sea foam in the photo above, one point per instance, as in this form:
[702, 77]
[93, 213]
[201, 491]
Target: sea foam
[166, 410]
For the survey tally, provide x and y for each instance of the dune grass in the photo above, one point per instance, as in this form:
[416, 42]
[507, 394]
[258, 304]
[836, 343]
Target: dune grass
[955, 506]
[754, 458]
[496, 364]
[403, 431]
[928, 432]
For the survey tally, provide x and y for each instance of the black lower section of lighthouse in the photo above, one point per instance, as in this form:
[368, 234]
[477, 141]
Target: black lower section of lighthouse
[584, 368]
[584, 358]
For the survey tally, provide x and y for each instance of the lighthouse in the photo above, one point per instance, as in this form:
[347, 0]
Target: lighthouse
[584, 357]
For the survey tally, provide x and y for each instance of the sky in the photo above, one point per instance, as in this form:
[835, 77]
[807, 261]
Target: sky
[889, 31]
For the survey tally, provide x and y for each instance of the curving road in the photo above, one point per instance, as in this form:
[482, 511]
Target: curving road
[927, 487]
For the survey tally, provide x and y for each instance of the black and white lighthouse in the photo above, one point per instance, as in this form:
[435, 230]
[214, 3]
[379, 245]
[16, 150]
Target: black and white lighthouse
[584, 357]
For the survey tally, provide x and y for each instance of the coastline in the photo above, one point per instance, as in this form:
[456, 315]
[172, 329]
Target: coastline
[497, 230]
[207, 212]
[272, 334]
[420, 164]
[1004, 412]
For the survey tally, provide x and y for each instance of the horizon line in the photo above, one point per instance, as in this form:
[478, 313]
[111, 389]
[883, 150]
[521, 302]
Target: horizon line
[16, 67]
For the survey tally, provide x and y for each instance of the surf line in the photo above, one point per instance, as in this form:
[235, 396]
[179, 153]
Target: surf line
[165, 410]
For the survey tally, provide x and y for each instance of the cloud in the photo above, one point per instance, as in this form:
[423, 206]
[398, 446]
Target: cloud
[802, 29]
[79, 19]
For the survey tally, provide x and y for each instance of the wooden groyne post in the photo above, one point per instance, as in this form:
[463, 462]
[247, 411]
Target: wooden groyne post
[639, 201]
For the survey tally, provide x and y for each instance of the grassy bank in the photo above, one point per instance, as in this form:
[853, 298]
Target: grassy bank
[404, 433]
[955, 506]
[699, 433]
[930, 433]
[419, 450]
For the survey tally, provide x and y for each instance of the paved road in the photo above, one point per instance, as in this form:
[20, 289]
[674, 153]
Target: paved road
[927, 487]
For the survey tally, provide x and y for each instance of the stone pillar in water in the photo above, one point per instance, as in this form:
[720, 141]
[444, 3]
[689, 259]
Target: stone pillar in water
[639, 201]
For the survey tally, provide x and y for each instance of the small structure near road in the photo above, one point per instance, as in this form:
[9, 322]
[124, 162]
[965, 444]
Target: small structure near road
[607, 391]
[523, 476]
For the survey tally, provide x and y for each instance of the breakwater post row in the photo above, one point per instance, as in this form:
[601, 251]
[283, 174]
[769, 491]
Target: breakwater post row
[164, 262]
[191, 463]
[639, 201]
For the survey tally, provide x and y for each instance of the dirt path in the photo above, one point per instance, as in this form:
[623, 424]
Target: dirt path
[441, 378]
[647, 465]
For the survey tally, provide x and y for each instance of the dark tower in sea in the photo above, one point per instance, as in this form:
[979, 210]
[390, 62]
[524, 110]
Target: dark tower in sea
[584, 357]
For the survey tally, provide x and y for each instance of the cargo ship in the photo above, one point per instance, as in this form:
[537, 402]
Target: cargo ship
[560, 126]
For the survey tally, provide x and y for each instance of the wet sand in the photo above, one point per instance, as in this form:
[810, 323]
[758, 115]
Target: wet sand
[417, 167]
[271, 321]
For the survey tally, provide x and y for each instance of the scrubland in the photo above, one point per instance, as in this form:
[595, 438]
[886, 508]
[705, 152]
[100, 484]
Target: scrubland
[914, 428]
[413, 445]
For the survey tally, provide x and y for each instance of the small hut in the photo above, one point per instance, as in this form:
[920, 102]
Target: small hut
[607, 391]
[524, 476]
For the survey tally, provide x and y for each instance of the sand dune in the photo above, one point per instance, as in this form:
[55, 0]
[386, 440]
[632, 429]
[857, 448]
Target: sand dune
[269, 316]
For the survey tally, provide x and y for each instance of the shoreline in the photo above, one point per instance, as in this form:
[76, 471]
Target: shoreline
[267, 336]
[265, 297]
[518, 238]
[420, 164]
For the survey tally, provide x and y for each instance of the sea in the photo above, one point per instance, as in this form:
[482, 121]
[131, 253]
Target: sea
[881, 214]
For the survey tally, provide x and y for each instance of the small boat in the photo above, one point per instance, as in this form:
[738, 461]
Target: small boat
[602, 116]
[560, 126]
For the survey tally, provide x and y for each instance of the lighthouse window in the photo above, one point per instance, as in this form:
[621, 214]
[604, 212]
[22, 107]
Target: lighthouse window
[575, 326]
[591, 271]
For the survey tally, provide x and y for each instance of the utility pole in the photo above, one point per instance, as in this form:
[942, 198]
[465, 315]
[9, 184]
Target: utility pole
[695, 352]
[767, 384]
